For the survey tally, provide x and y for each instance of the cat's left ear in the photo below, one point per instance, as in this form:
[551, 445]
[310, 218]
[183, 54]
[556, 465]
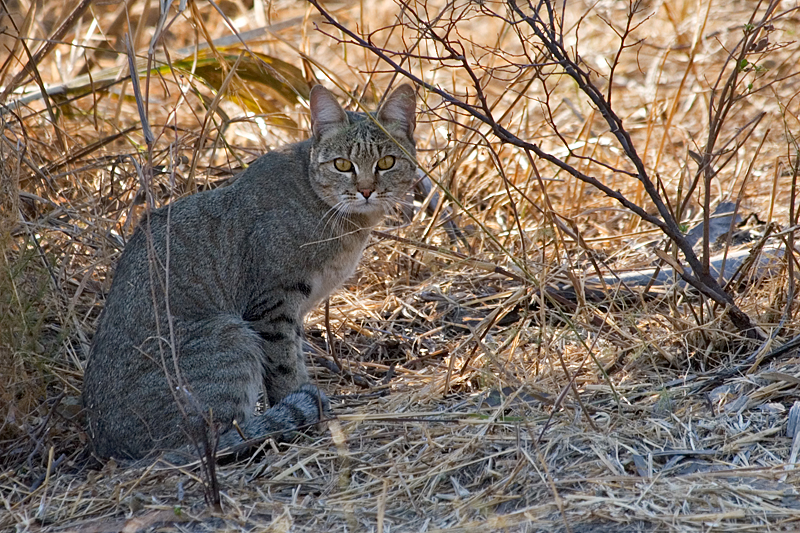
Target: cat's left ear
[401, 107]
[327, 115]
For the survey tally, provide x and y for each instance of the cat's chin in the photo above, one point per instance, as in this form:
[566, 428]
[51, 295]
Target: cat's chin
[371, 209]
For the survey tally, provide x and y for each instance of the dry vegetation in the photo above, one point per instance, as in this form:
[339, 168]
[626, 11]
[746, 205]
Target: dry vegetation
[484, 386]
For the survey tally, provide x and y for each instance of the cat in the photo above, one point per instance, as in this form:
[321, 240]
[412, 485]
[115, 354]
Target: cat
[206, 307]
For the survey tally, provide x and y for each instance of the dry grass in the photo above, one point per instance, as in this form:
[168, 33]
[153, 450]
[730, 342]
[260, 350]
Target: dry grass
[468, 401]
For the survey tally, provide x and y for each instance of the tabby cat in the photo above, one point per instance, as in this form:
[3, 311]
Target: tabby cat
[206, 308]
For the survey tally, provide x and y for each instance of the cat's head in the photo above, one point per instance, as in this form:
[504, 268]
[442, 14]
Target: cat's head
[356, 167]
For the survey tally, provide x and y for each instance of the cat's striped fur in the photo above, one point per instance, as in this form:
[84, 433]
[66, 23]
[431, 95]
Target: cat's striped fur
[207, 304]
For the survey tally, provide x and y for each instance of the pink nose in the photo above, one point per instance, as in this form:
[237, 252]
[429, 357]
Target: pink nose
[366, 193]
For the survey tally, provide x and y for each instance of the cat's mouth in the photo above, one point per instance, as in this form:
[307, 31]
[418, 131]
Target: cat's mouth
[366, 203]
[366, 206]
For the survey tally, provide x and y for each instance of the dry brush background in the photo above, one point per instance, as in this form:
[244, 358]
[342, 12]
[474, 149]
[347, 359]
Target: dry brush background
[483, 378]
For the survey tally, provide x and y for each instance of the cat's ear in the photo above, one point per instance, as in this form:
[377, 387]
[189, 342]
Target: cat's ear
[401, 107]
[326, 114]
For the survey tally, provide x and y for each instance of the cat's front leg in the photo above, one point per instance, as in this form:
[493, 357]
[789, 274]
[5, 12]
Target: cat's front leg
[275, 312]
[284, 362]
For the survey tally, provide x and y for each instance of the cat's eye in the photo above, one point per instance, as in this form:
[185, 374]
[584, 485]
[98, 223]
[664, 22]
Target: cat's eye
[342, 165]
[386, 162]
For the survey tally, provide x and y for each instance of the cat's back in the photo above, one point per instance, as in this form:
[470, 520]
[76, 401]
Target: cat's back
[272, 191]
[276, 181]
[204, 239]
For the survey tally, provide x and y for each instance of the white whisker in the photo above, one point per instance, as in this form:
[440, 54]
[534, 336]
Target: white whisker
[332, 216]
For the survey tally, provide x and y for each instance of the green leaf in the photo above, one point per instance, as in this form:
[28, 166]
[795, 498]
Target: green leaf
[271, 84]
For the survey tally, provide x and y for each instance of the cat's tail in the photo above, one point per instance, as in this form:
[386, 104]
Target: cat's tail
[300, 410]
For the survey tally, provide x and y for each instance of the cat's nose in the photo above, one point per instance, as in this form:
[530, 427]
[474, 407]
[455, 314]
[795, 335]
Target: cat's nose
[366, 193]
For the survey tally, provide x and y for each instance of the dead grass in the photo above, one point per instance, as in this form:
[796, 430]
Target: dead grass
[468, 401]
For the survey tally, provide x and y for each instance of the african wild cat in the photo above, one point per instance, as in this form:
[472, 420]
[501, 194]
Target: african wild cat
[207, 304]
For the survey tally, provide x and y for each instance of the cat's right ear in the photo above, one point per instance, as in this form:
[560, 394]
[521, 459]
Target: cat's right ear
[327, 115]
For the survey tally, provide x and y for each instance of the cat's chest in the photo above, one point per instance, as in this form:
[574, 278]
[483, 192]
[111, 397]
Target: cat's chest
[329, 275]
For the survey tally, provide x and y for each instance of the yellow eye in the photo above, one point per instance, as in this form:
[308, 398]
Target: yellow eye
[342, 165]
[386, 162]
